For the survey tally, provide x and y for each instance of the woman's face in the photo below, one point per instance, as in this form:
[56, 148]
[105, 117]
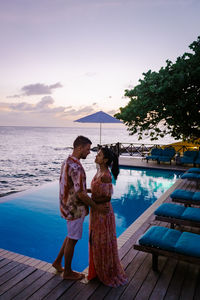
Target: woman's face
[100, 158]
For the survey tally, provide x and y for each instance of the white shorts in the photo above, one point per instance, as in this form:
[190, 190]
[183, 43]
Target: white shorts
[75, 228]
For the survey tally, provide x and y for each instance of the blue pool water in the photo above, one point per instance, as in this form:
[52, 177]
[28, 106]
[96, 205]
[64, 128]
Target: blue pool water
[30, 222]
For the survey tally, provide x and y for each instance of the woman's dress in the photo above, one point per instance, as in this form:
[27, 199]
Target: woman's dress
[104, 261]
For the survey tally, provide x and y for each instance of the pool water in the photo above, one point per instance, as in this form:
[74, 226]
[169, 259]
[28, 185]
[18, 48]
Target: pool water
[30, 222]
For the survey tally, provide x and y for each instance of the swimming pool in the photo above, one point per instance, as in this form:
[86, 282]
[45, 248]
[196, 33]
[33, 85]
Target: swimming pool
[30, 222]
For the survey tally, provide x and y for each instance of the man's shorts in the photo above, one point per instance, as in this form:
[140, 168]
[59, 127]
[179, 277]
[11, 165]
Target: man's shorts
[75, 228]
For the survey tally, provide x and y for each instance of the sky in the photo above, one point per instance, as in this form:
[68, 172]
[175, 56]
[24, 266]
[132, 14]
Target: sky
[64, 59]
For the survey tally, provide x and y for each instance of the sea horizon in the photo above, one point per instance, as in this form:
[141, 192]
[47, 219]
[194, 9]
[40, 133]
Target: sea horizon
[32, 155]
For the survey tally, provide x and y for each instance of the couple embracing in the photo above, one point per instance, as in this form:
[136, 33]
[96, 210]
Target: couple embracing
[104, 261]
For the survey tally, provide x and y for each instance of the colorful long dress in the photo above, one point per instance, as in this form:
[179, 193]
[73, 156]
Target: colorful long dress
[104, 261]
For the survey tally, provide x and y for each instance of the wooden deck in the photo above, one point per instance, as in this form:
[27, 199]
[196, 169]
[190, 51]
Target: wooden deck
[25, 278]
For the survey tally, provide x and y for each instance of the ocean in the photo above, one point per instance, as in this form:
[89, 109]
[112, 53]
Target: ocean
[32, 156]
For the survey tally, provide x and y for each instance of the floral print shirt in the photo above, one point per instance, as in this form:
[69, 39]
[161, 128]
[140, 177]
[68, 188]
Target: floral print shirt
[72, 181]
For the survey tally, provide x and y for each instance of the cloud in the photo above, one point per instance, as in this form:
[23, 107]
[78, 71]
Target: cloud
[81, 112]
[22, 106]
[45, 105]
[43, 113]
[90, 74]
[39, 89]
[14, 96]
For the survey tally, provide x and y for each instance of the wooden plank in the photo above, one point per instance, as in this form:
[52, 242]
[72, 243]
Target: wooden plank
[84, 291]
[14, 280]
[75, 289]
[4, 262]
[46, 288]
[178, 221]
[130, 271]
[100, 292]
[137, 280]
[59, 290]
[95, 288]
[36, 285]
[6, 268]
[148, 285]
[197, 289]
[12, 273]
[175, 286]
[129, 257]
[172, 254]
[20, 286]
[163, 281]
[188, 288]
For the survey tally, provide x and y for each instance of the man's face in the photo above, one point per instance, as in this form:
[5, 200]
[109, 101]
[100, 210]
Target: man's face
[85, 150]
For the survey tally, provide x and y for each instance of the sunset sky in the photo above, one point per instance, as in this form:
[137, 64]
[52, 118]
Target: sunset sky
[64, 59]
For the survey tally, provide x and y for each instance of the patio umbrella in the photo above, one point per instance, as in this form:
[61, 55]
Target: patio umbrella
[98, 117]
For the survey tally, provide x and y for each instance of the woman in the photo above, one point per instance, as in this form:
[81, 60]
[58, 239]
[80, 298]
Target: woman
[104, 261]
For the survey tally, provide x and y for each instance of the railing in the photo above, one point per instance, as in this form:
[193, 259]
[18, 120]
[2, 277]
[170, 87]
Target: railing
[141, 150]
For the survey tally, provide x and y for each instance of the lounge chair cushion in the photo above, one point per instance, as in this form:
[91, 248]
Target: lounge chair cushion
[196, 196]
[155, 152]
[197, 161]
[189, 244]
[170, 210]
[194, 170]
[189, 156]
[160, 237]
[190, 176]
[164, 158]
[191, 213]
[182, 194]
[172, 240]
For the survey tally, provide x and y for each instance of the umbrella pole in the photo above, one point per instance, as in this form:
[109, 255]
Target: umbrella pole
[100, 133]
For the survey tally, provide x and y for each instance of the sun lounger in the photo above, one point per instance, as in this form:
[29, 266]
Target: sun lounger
[189, 157]
[166, 155]
[155, 152]
[197, 160]
[194, 170]
[171, 243]
[186, 197]
[192, 176]
[161, 155]
[178, 214]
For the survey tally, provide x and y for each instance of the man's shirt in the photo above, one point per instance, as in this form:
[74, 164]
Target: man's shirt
[72, 181]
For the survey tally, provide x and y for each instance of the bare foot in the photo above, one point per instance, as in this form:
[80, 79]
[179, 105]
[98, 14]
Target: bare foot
[73, 276]
[58, 267]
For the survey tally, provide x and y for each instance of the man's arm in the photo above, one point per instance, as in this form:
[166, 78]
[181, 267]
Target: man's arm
[83, 196]
[88, 201]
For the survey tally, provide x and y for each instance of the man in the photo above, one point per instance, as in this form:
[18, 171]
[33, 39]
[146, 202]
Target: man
[74, 203]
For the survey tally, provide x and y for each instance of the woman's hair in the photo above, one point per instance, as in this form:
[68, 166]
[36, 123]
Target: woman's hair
[112, 161]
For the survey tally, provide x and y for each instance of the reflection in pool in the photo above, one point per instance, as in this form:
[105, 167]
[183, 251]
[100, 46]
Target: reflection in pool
[30, 222]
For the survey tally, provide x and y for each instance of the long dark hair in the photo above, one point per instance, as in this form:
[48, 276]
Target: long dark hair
[112, 161]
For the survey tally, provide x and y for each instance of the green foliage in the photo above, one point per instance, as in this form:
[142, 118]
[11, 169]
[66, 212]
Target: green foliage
[168, 101]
